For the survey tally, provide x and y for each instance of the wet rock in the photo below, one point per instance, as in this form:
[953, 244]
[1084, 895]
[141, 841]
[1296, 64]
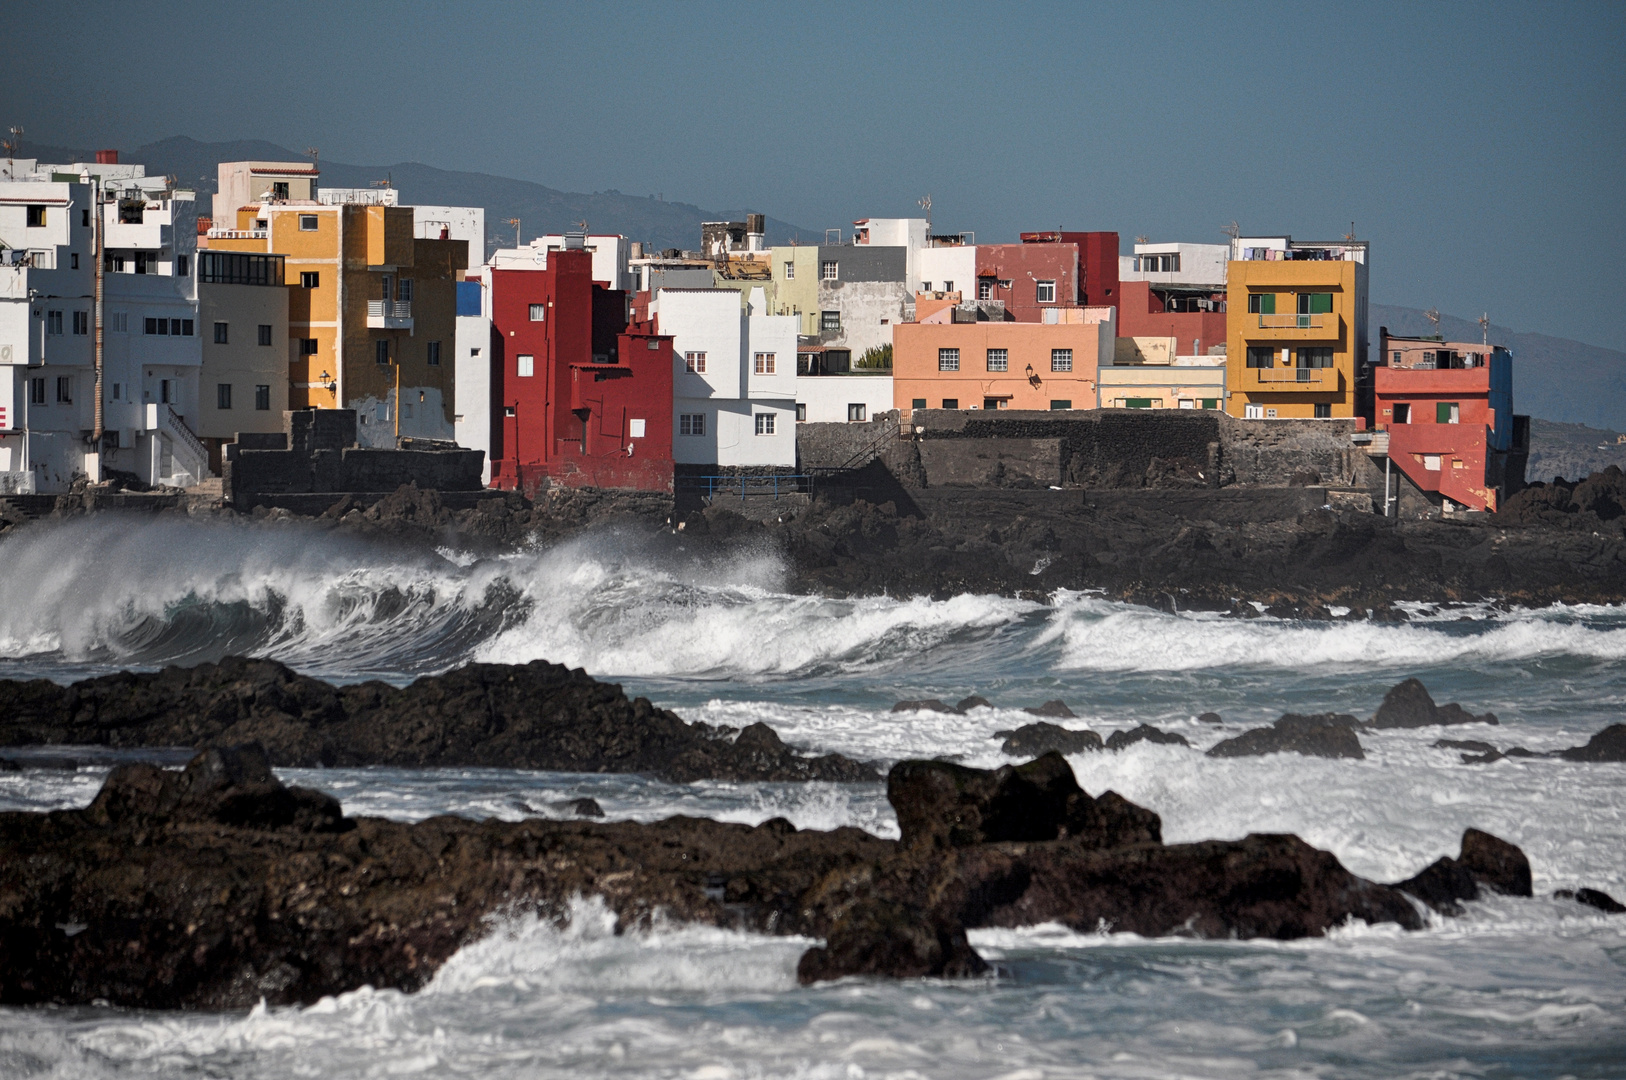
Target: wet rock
[1409, 705]
[520, 716]
[1210, 718]
[1031, 740]
[1607, 745]
[1328, 735]
[583, 807]
[1118, 740]
[924, 705]
[1592, 898]
[1484, 861]
[1111, 821]
[7, 765]
[1472, 745]
[954, 806]
[975, 701]
[890, 939]
[227, 786]
[1056, 710]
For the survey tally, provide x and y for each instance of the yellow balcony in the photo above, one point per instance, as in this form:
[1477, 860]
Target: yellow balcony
[1291, 380]
[1328, 326]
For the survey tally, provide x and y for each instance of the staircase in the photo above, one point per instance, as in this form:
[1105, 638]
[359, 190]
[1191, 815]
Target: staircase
[179, 456]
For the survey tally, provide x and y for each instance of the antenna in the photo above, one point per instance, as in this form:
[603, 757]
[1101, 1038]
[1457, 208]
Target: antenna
[926, 205]
[313, 153]
[1484, 329]
[1433, 316]
[1350, 235]
[1143, 239]
[582, 225]
[11, 143]
[514, 221]
[1233, 230]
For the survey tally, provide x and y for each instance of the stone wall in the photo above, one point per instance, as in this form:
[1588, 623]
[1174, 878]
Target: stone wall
[835, 446]
[248, 473]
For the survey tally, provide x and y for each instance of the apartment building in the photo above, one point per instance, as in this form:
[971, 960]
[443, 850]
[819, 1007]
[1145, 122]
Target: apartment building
[1175, 290]
[371, 305]
[53, 428]
[734, 390]
[243, 331]
[1296, 329]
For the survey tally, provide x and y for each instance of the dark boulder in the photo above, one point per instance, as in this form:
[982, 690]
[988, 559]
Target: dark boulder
[975, 701]
[1607, 745]
[1328, 735]
[1056, 710]
[1031, 740]
[1485, 861]
[885, 938]
[955, 806]
[1592, 898]
[1119, 740]
[583, 807]
[227, 786]
[1409, 705]
[1111, 821]
[1210, 718]
[924, 705]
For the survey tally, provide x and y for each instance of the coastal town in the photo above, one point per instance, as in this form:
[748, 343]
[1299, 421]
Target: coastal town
[154, 342]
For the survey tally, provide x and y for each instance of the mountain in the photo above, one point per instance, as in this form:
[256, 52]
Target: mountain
[540, 209]
[1553, 378]
[1572, 451]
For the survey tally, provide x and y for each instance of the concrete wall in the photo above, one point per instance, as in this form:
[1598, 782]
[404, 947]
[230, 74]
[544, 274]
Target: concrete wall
[825, 399]
[242, 362]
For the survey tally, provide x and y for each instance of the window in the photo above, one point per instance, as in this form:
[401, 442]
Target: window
[81, 323]
[310, 279]
[265, 334]
[118, 391]
[1210, 403]
[262, 398]
[36, 217]
[64, 389]
[827, 271]
[381, 350]
[307, 222]
[1261, 357]
[951, 403]
[999, 360]
[1323, 412]
[917, 403]
[84, 219]
[695, 362]
[223, 395]
[801, 412]
[925, 286]
[692, 423]
[1137, 403]
[119, 322]
[1315, 303]
[1061, 405]
[1315, 358]
[539, 312]
[948, 359]
[141, 260]
[157, 326]
[1261, 303]
[830, 321]
[996, 403]
[527, 366]
[1270, 414]
[53, 322]
[307, 346]
[1253, 412]
[1061, 360]
[1403, 413]
[403, 290]
[948, 286]
[653, 344]
[1187, 403]
[73, 260]
[221, 335]
[790, 271]
[433, 352]
[857, 413]
[1046, 292]
[279, 189]
[1447, 412]
[180, 265]
[1158, 264]
[985, 288]
[765, 423]
[163, 390]
[764, 363]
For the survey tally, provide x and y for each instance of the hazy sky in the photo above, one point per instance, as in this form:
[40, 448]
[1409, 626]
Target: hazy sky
[1479, 147]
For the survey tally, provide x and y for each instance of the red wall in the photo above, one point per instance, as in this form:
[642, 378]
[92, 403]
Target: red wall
[1097, 264]
[1141, 314]
[571, 419]
[1465, 441]
[1024, 265]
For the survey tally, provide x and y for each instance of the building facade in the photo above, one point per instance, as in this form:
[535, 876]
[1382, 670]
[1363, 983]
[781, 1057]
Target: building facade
[1002, 365]
[243, 334]
[1296, 329]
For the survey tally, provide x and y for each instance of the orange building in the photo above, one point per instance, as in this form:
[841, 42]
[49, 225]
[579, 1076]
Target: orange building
[1002, 365]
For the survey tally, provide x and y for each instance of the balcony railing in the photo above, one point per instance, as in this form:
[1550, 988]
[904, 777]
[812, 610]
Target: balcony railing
[1296, 322]
[389, 309]
[1299, 375]
[238, 234]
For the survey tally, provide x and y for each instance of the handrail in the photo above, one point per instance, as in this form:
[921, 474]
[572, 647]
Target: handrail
[389, 309]
[237, 234]
[178, 427]
[765, 485]
[1294, 375]
[1291, 322]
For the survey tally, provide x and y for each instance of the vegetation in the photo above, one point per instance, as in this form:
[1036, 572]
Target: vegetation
[876, 358]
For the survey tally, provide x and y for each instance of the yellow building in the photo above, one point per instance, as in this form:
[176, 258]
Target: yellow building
[371, 310]
[1296, 329]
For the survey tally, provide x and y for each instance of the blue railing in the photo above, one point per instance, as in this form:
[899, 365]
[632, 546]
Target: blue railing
[744, 486]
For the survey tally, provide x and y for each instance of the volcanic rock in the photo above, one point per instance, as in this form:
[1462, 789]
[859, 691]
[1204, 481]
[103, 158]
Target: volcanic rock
[1056, 710]
[1592, 898]
[583, 807]
[523, 716]
[1031, 740]
[1607, 745]
[1409, 705]
[955, 806]
[1329, 735]
[924, 705]
[975, 701]
[1210, 718]
[1485, 860]
[881, 937]
[1118, 740]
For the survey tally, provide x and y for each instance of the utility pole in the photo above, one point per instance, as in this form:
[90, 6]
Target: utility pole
[514, 221]
[97, 432]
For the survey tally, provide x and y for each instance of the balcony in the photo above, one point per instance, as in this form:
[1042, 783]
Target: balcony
[1328, 326]
[1287, 380]
[389, 315]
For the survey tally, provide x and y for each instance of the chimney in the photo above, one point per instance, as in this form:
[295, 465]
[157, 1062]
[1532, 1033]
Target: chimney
[755, 227]
[107, 157]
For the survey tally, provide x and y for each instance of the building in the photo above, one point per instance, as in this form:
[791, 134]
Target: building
[1446, 408]
[466, 223]
[1002, 365]
[1296, 329]
[243, 334]
[371, 305]
[579, 397]
[1175, 290]
[475, 419]
[58, 346]
[735, 384]
[611, 255]
[1149, 373]
[1097, 274]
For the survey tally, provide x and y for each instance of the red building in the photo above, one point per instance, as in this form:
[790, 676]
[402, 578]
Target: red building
[579, 396]
[1447, 408]
[1147, 310]
[1097, 263]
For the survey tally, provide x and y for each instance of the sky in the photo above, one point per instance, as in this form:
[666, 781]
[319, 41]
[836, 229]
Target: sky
[1480, 148]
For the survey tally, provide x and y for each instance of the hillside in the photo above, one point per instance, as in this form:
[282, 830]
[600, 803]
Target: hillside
[1571, 450]
[540, 209]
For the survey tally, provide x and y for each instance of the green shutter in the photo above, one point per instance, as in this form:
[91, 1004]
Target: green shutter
[1442, 412]
[1210, 403]
[1321, 303]
[1267, 304]
[1138, 402]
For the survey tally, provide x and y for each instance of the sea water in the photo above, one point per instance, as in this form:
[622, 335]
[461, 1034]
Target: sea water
[1511, 988]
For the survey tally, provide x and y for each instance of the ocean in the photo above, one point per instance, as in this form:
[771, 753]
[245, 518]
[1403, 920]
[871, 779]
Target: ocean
[1511, 988]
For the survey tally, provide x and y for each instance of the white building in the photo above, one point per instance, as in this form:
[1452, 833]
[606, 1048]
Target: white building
[1176, 264]
[842, 399]
[48, 327]
[610, 252]
[907, 233]
[471, 425]
[734, 393]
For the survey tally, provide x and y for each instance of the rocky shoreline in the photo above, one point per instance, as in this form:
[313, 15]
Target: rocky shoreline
[219, 886]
